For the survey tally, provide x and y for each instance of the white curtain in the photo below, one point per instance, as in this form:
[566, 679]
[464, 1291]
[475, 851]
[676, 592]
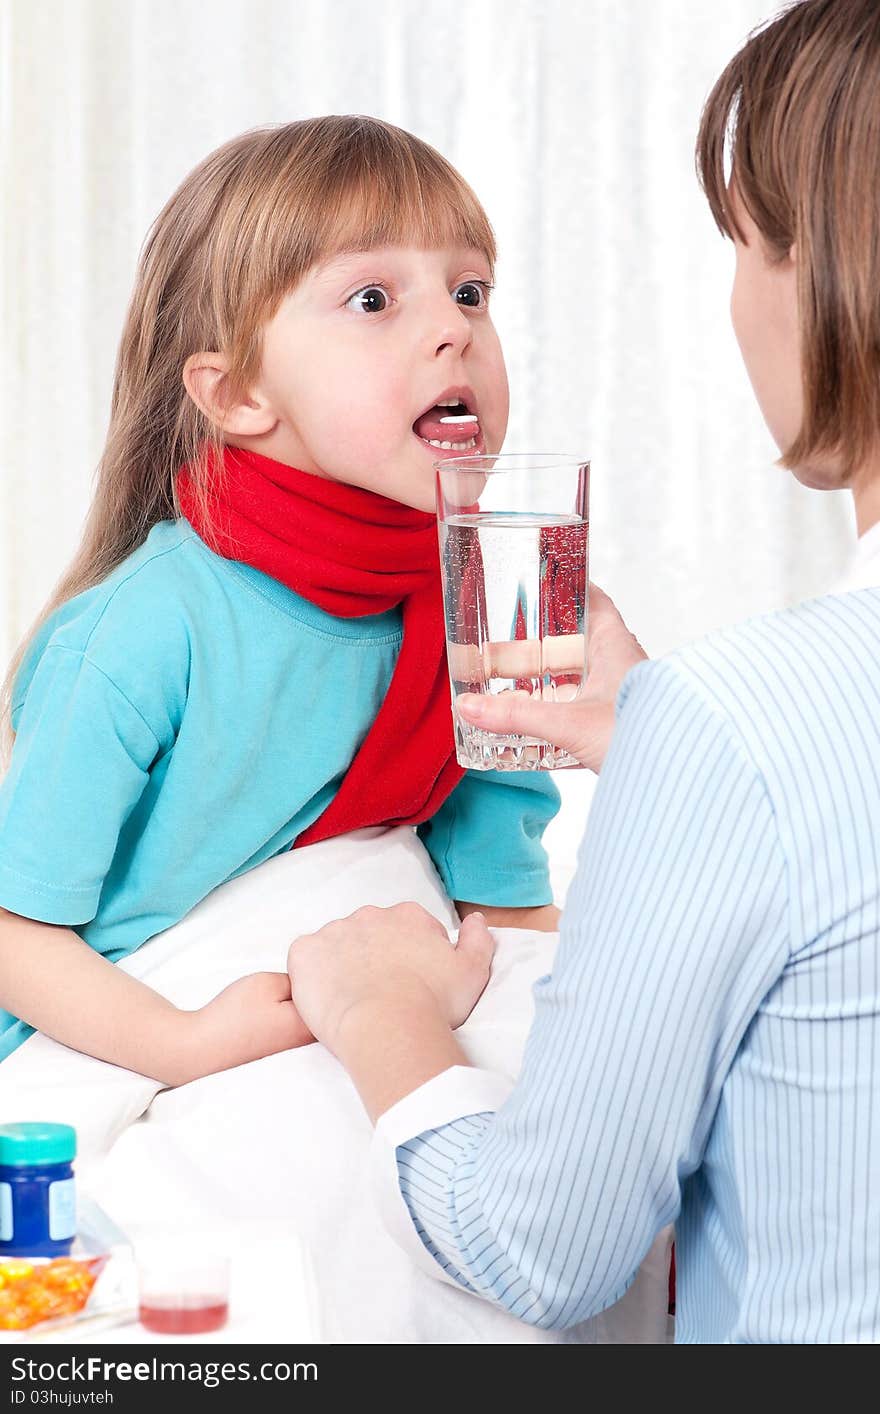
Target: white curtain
[575, 122]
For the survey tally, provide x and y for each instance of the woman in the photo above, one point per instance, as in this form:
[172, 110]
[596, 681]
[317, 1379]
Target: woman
[706, 1050]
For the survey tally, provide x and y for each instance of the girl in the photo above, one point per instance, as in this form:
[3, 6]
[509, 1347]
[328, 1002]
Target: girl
[706, 1050]
[247, 652]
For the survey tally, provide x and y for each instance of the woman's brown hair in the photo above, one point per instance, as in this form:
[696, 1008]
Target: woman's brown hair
[795, 120]
[237, 236]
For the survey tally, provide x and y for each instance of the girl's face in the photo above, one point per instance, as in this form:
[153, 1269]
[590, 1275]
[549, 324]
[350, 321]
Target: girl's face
[362, 350]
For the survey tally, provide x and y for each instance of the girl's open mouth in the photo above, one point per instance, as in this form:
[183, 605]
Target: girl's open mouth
[451, 425]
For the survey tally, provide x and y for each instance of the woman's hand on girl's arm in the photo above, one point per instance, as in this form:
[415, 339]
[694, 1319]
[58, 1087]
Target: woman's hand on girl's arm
[55, 982]
[584, 726]
[384, 989]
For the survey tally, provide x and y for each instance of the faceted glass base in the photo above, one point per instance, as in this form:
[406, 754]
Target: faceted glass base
[488, 751]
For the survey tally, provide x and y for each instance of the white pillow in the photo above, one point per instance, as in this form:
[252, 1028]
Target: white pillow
[244, 926]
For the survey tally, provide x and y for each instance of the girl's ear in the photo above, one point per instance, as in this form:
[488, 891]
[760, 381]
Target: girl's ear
[205, 377]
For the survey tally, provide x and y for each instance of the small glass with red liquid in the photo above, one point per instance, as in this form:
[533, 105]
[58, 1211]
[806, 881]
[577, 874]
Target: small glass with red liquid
[183, 1292]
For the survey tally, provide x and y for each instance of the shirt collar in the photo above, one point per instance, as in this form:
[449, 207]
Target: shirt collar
[863, 570]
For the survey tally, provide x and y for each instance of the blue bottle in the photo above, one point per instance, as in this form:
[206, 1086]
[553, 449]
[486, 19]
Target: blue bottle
[37, 1192]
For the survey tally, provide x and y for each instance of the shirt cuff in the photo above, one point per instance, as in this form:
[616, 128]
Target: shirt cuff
[524, 888]
[43, 902]
[461, 1090]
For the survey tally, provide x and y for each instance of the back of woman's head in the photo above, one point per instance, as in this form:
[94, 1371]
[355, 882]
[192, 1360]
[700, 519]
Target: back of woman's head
[794, 121]
[237, 236]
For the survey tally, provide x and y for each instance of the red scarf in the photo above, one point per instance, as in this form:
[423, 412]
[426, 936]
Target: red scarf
[352, 553]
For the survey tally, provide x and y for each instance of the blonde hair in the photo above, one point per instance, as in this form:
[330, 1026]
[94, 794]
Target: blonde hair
[236, 237]
[797, 111]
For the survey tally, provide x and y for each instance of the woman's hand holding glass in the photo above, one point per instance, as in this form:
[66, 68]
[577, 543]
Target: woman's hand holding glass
[583, 726]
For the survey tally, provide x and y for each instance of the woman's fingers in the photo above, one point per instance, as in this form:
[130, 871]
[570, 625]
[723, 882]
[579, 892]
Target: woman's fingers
[533, 657]
[600, 602]
[582, 727]
[611, 645]
[475, 943]
[472, 967]
[560, 654]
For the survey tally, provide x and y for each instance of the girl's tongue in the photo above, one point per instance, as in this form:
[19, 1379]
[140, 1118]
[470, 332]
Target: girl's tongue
[443, 424]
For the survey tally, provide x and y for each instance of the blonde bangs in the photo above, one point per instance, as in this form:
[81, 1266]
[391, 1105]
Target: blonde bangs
[316, 189]
[398, 192]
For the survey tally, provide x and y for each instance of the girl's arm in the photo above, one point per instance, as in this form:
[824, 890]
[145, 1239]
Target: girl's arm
[56, 983]
[545, 919]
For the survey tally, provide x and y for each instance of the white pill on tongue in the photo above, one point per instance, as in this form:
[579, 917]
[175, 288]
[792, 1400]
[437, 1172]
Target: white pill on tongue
[462, 417]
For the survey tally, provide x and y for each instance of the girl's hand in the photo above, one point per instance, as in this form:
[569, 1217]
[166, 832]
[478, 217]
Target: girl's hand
[395, 959]
[584, 726]
[251, 1018]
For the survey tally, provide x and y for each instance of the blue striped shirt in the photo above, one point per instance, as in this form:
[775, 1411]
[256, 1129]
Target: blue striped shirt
[707, 1048]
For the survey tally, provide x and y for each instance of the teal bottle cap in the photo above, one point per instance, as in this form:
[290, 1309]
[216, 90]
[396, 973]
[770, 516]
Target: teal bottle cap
[35, 1143]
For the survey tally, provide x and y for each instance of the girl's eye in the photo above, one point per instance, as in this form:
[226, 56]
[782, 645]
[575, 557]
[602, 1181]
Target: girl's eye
[371, 300]
[473, 294]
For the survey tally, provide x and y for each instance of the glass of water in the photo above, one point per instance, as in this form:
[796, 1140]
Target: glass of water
[514, 554]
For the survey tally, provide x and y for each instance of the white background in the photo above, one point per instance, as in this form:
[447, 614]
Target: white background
[573, 119]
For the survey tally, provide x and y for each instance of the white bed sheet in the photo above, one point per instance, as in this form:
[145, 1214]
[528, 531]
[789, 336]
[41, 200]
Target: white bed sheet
[285, 1138]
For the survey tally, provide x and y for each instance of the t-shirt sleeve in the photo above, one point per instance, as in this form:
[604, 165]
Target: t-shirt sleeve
[79, 765]
[485, 840]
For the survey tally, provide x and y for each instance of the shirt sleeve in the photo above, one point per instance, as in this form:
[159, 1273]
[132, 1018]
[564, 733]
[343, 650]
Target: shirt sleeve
[675, 928]
[80, 762]
[485, 840]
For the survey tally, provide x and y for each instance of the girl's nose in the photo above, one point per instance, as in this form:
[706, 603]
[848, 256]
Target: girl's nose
[454, 331]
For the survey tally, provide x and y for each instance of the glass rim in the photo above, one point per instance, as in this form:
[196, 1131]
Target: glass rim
[535, 461]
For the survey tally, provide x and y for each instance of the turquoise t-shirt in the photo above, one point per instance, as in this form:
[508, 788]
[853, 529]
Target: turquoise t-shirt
[188, 718]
